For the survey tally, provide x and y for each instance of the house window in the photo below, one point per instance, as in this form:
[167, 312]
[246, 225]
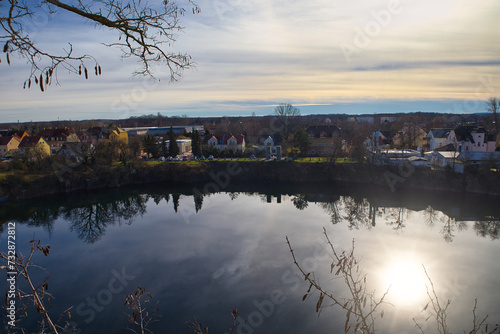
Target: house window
[311, 136]
[320, 144]
[313, 151]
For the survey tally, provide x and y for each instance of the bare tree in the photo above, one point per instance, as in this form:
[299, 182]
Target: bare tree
[287, 116]
[144, 32]
[361, 306]
[493, 105]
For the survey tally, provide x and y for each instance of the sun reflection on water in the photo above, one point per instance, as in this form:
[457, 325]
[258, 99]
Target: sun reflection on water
[407, 281]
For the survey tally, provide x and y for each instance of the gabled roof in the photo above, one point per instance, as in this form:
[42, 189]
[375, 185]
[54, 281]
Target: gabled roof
[275, 137]
[479, 130]
[222, 139]
[463, 134]
[30, 141]
[329, 130]
[7, 139]
[19, 134]
[440, 133]
[54, 132]
[386, 134]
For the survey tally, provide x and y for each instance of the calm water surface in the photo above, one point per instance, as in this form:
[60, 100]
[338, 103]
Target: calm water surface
[201, 256]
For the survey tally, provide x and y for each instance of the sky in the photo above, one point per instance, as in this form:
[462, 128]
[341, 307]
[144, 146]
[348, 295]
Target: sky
[322, 56]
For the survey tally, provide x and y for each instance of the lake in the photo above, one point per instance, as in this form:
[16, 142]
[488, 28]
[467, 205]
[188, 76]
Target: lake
[202, 255]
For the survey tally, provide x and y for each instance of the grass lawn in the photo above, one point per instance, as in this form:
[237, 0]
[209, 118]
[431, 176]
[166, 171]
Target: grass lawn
[324, 159]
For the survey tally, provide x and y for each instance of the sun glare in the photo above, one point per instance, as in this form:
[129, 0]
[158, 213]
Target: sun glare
[407, 282]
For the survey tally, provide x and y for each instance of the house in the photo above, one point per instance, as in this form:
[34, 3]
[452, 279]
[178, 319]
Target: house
[8, 143]
[269, 140]
[435, 139]
[34, 145]
[104, 134]
[442, 158]
[56, 138]
[227, 141]
[325, 139]
[381, 140]
[471, 139]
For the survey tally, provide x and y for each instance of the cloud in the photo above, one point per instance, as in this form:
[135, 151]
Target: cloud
[280, 51]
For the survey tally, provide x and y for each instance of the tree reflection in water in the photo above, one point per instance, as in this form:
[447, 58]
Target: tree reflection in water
[89, 216]
[488, 228]
[90, 221]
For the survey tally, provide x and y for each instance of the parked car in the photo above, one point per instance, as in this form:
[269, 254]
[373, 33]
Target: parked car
[185, 158]
[202, 158]
[211, 157]
[253, 157]
[161, 159]
[177, 159]
[193, 158]
[169, 158]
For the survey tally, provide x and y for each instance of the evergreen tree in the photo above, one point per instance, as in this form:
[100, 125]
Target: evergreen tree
[151, 146]
[301, 141]
[173, 148]
[196, 143]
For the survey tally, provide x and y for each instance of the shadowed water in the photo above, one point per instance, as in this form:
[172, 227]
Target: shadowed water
[201, 256]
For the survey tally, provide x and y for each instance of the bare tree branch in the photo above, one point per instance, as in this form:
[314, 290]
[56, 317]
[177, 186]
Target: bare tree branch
[145, 32]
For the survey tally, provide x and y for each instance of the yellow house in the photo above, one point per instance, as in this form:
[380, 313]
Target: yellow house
[325, 139]
[35, 146]
[8, 143]
[408, 137]
[113, 133]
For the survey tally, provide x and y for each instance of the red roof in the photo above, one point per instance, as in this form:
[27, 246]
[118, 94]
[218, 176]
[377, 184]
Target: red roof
[30, 141]
[5, 140]
[54, 132]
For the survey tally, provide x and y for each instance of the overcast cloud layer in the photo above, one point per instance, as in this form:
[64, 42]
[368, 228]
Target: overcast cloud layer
[323, 56]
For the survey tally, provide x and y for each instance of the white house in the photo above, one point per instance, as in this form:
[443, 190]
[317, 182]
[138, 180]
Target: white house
[443, 158]
[469, 139]
[436, 138]
[226, 141]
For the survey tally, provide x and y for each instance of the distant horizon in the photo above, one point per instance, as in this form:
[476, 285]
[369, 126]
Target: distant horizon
[315, 110]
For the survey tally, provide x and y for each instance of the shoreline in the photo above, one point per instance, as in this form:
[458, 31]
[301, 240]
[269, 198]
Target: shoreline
[217, 175]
